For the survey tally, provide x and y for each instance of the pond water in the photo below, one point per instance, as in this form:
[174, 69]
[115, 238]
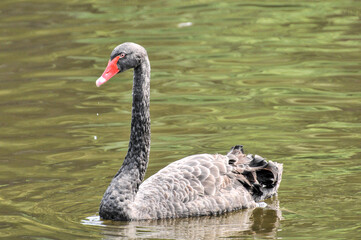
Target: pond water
[280, 77]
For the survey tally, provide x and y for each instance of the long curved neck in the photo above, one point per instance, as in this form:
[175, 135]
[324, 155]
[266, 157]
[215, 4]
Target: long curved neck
[117, 199]
[139, 143]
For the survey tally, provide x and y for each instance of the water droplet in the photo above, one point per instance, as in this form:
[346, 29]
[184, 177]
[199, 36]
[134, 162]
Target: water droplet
[185, 24]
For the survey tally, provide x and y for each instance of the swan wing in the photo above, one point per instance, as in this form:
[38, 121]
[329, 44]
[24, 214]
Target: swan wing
[203, 184]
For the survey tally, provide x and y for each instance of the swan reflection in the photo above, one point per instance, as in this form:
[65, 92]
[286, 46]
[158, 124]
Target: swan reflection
[258, 222]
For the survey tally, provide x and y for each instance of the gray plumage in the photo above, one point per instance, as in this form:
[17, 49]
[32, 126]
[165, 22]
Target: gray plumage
[204, 184]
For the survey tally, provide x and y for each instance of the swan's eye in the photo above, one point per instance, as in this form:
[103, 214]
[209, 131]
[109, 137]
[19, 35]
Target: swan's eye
[122, 55]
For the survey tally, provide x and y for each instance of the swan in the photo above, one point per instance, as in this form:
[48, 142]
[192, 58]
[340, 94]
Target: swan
[198, 185]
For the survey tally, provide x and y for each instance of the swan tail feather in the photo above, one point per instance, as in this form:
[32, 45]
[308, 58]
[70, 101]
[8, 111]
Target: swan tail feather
[260, 177]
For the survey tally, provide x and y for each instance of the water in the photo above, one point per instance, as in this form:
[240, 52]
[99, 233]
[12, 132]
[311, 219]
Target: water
[281, 78]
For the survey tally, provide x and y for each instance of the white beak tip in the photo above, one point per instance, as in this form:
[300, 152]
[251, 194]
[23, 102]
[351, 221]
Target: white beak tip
[100, 81]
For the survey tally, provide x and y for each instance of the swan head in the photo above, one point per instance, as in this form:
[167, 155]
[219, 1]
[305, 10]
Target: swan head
[125, 56]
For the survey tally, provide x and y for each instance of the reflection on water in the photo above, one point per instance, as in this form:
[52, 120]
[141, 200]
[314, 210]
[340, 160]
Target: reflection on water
[259, 223]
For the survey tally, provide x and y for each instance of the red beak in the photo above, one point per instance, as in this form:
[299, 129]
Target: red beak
[109, 72]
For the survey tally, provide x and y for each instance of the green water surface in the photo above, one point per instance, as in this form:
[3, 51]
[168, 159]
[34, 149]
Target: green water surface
[281, 78]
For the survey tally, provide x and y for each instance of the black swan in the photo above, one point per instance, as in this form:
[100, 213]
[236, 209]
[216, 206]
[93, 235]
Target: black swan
[198, 185]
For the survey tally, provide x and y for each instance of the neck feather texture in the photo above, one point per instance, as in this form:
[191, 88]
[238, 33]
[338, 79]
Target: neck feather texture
[139, 143]
[124, 186]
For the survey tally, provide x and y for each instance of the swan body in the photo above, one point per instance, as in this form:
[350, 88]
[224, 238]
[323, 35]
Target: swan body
[198, 185]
